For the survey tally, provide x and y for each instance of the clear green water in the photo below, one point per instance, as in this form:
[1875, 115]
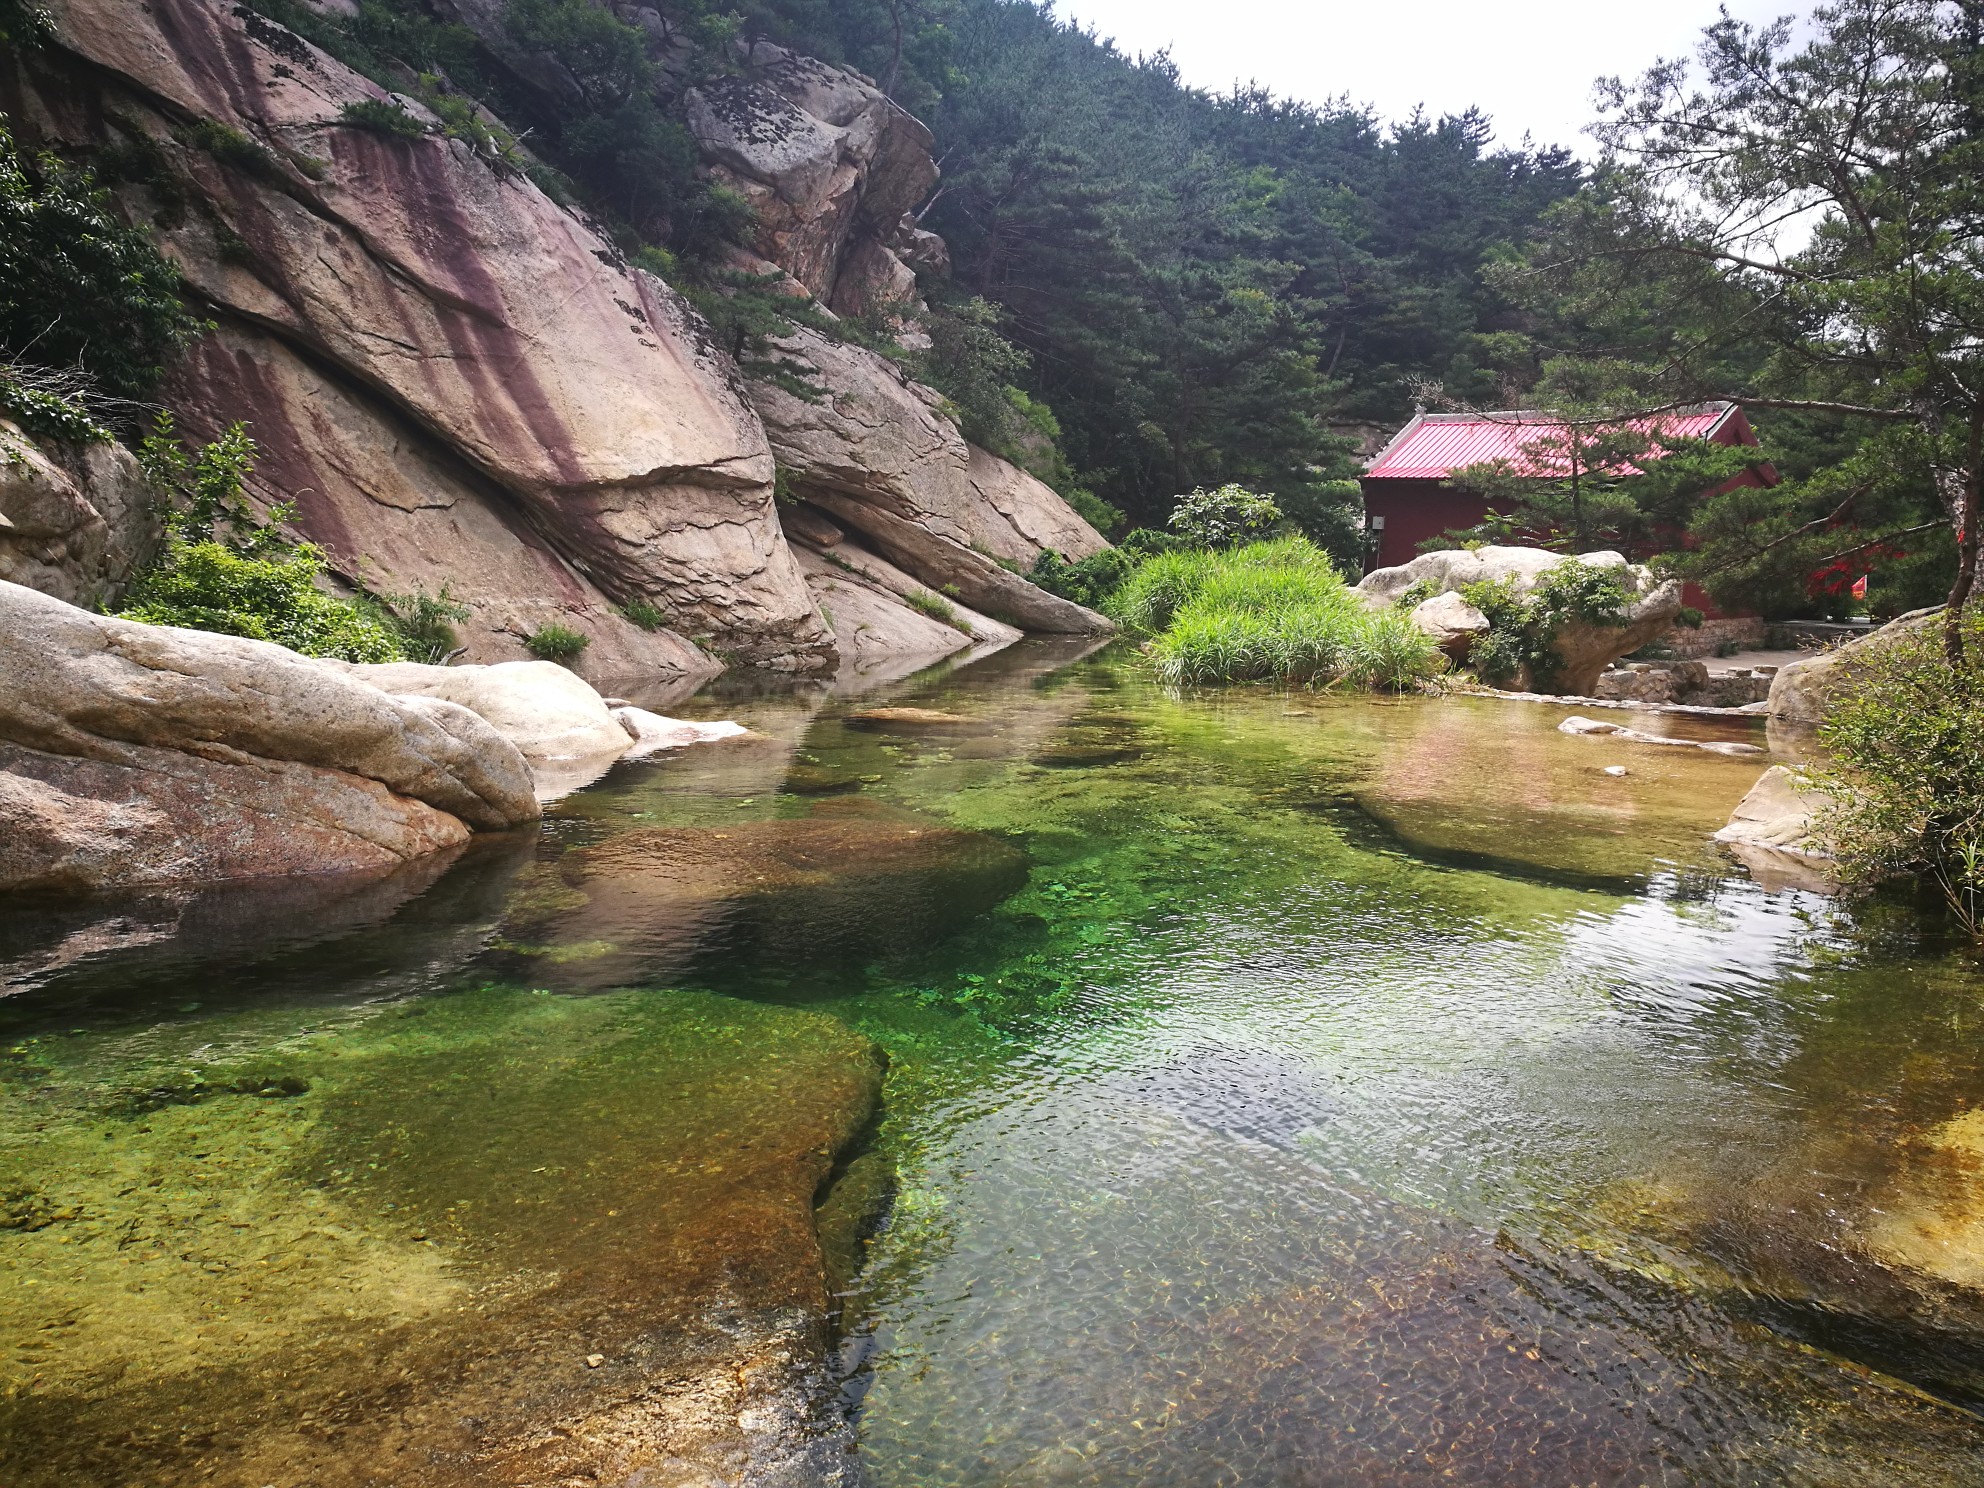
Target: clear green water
[1282, 1090]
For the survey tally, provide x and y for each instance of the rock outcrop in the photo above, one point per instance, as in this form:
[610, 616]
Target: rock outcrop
[137, 754]
[831, 167]
[1584, 648]
[76, 527]
[1801, 692]
[459, 314]
[1774, 832]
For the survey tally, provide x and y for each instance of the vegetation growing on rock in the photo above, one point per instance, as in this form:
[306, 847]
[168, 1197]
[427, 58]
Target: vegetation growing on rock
[556, 642]
[1523, 628]
[227, 570]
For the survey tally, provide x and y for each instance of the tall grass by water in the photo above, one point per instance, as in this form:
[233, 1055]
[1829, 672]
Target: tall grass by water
[1270, 611]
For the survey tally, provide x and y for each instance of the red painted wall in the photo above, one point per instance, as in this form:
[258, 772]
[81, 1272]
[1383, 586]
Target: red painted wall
[1415, 510]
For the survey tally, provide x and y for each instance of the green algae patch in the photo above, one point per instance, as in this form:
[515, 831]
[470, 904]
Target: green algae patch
[475, 1217]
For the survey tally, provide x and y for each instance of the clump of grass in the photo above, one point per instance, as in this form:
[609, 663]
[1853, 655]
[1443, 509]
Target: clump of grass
[556, 643]
[644, 613]
[1270, 611]
[937, 608]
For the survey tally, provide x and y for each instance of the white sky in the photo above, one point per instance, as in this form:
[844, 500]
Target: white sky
[1529, 64]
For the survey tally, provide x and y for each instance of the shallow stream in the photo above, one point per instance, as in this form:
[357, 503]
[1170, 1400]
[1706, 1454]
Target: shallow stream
[1281, 1089]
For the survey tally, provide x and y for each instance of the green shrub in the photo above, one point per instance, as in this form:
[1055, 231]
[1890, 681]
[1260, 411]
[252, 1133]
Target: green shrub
[1523, 630]
[1271, 611]
[208, 586]
[78, 289]
[425, 623]
[1218, 519]
[556, 642]
[1093, 510]
[645, 614]
[1905, 734]
[937, 608]
[225, 570]
[383, 116]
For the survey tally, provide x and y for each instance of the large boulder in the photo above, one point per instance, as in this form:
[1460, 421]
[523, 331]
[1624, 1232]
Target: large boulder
[598, 422]
[138, 754]
[1775, 833]
[1451, 621]
[1584, 649]
[1801, 692]
[74, 523]
[539, 706]
[831, 166]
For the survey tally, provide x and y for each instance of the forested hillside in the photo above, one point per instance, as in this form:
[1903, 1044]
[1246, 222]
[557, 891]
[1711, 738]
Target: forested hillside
[1183, 289]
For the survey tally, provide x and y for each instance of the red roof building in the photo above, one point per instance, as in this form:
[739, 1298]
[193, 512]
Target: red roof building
[1409, 496]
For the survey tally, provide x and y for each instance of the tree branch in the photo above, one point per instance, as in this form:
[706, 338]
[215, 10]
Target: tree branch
[1817, 405]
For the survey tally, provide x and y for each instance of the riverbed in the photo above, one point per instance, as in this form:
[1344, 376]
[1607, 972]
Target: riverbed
[1046, 1078]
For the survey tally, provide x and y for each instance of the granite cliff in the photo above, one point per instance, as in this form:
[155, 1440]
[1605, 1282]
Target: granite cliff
[462, 383]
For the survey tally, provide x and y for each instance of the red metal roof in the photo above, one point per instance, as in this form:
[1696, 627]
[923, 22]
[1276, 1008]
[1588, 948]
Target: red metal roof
[1435, 445]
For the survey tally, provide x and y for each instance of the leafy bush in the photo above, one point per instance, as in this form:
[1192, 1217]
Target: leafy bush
[208, 586]
[937, 608]
[55, 403]
[1218, 519]
[1270, 611]
[425, 623]
[79, 289]
[1905, 731]
[227, 571]
[1523, 630]
[556, 643]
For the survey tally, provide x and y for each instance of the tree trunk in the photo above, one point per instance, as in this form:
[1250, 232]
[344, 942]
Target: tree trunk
[1964, 515]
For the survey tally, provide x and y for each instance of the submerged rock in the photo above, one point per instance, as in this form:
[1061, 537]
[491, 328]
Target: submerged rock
[434, 1219]
[142, 754]
[851, 878]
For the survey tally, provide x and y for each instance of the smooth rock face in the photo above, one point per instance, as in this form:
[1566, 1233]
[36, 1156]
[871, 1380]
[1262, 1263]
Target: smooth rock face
[1584, 650]
[881, 439]
[401, 512]
[224, 757]
[74, 526]
[1800, 692]
[419, 272]
[539, 706]
[1451, 621]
